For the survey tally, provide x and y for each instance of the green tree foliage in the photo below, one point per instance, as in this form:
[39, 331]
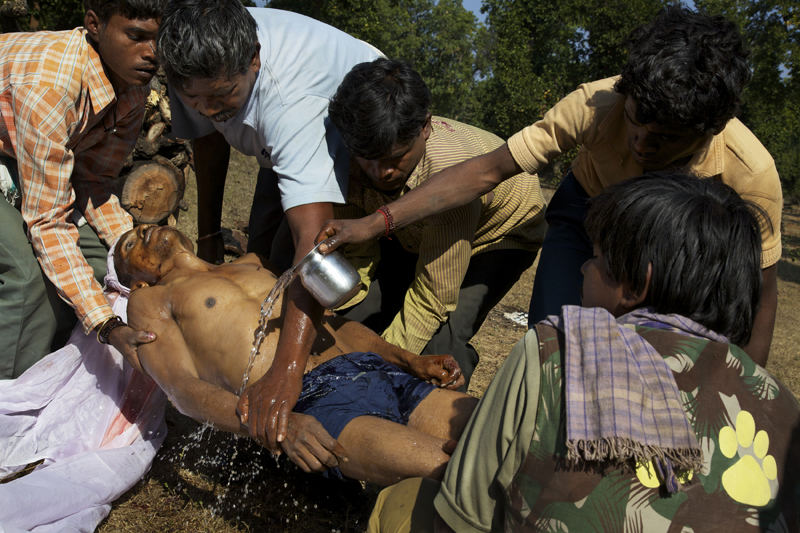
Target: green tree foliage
[505, 75]
[772, 100]
[67, 14]
[57, 14]
[437, 37]
[543, 49]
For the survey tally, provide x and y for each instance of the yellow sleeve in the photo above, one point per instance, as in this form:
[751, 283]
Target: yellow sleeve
[561, 129]
[444, 254]
[768, 195]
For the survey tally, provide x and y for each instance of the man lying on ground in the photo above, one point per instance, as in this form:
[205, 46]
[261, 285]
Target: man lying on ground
[637, 411]
[389, 424]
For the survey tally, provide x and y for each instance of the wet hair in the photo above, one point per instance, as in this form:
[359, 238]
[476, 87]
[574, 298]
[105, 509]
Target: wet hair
[378, 104]
[701, 238]
[130, 9]
[685, 69]
[125, 279]
[214, 39]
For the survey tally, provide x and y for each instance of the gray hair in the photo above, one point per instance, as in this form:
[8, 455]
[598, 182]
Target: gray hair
[213, 39]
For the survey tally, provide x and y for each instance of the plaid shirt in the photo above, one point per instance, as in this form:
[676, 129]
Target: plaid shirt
[70, 135]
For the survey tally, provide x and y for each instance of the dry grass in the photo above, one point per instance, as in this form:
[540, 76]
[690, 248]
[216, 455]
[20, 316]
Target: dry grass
[222, 484]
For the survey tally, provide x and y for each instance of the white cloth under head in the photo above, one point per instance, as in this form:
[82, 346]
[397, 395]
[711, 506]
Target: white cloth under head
[111, 280]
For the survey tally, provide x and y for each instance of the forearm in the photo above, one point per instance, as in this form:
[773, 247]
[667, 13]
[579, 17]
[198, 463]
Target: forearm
[362, 339]
[207, 403]
[452, 187]
[299, 331]
[764, 324]
[211, 157]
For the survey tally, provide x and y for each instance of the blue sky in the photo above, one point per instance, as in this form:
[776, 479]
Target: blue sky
[475, 7]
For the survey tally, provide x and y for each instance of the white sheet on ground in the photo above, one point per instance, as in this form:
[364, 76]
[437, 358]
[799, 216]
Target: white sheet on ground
[95, 422]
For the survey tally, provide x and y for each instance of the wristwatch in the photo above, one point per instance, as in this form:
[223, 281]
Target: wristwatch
[107, 327]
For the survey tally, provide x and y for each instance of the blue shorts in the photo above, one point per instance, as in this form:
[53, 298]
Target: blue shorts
[358, 384]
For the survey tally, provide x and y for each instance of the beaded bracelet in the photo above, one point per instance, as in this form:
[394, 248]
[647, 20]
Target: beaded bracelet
[387, 218]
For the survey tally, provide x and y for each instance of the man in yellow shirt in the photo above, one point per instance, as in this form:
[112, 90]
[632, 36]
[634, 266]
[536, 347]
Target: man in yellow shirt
[672, 107]
[429, 287]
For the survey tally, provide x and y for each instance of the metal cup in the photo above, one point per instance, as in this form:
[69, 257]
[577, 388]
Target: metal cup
[330, 278]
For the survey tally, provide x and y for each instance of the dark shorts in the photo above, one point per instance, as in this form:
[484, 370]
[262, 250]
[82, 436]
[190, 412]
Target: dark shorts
[358, 384]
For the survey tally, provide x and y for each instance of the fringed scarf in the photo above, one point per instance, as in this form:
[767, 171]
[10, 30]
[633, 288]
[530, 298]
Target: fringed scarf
[622, 401]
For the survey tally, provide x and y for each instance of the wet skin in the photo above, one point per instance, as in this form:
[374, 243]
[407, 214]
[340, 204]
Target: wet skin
[205, 318]
[217, 309]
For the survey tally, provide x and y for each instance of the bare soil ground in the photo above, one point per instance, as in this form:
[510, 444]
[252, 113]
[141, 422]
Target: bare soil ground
[212, 482]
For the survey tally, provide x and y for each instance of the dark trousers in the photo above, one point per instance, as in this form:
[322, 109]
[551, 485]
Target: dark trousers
[489, 277]
[269, 233]
[565, 249]
[34, 320]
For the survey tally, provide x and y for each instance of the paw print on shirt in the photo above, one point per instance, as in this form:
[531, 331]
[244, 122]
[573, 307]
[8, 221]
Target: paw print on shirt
[753, 479]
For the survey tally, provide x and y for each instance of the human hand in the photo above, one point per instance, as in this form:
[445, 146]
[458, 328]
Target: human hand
[265, 406]
[127, 340]
[440, 370]
[211, 249]
[450, 446]
[310, 446]
[335, 233]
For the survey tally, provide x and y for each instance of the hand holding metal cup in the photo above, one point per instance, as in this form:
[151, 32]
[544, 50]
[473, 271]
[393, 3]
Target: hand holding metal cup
[330, 278]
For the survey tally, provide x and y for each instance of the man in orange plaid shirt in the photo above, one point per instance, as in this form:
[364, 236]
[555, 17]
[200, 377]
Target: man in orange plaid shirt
[71, 107]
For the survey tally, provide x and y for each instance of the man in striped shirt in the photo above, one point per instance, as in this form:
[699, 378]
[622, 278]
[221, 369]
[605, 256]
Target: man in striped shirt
[71, 107]
[429, 289]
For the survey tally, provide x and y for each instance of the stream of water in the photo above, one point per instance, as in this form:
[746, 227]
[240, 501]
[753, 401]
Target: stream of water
[266, 313]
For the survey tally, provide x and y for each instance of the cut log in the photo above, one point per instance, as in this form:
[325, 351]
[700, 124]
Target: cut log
[181, 159]
[159, 163]
[163, 106]
[152, 116]
[155, 131]
[145, 148]
[151, 192]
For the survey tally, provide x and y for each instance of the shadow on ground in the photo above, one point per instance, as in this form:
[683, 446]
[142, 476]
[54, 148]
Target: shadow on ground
[789, 271]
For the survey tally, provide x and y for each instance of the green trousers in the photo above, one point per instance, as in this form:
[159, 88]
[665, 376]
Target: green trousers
[34, 320]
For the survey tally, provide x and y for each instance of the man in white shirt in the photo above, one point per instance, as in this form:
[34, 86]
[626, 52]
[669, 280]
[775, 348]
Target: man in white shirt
[259, 80]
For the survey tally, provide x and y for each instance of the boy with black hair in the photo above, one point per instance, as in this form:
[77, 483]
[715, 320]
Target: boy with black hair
[635, 408]
[672, 107]
[71, 107]
[429, 289]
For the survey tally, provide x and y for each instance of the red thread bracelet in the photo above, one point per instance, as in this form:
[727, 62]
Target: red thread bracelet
[388, 219]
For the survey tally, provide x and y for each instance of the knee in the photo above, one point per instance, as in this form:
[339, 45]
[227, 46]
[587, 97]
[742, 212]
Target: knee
[436, 465]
